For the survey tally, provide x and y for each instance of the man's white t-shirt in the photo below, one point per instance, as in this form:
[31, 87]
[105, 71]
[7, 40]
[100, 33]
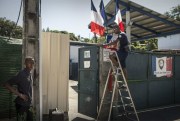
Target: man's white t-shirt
[114, 37]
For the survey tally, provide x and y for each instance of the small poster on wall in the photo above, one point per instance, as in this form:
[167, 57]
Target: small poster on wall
[162, 66]
[106, 54]
[87, 64]
[87, 54]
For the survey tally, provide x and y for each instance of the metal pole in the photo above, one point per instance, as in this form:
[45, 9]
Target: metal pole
[128, 26]
[95, 37]
[31, 45]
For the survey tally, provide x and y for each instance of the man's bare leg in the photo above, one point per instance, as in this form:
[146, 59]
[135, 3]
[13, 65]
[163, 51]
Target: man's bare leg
[113, 59]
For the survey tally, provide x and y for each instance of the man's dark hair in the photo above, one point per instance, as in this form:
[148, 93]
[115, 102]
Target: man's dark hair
[116, 27]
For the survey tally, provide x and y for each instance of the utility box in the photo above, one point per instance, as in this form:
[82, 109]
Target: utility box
[56, 115]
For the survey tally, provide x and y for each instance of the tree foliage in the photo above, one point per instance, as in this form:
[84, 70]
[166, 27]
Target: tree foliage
[87, 40]
[101, 39]
[96, 39]
[174, 13]
[9, 29]
[72, 35]
[146, 45]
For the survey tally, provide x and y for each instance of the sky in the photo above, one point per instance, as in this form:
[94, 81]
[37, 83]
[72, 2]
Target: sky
[73, 15]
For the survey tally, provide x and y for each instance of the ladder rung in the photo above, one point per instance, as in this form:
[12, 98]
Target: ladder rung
[115, 73]
[120, 81]
[118, 74]
[119, 115]
[123, 87]
[117, 106]
[116, 69]
[126, 97]
[130, 105]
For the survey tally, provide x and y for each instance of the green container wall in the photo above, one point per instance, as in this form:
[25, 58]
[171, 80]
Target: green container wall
[10, 64]
[137, 66]
[177, 78]
[147, 90]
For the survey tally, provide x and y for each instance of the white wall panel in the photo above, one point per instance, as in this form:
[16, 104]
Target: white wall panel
[169, 42]
[55, 71]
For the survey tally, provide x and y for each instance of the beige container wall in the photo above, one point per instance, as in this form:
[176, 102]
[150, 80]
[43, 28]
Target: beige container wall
[55, 71]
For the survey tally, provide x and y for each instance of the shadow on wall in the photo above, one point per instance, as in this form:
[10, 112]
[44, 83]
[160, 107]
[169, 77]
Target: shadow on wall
[73, 74]
[75, 88]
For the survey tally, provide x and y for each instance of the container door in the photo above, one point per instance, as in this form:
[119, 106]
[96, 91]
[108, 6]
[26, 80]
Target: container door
[88, 87]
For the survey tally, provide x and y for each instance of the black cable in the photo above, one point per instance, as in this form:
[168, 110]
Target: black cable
[39, 8]
[16, 21]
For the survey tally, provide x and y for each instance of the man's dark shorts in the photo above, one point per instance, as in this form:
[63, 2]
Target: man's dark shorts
[122, 58]
[23, 112]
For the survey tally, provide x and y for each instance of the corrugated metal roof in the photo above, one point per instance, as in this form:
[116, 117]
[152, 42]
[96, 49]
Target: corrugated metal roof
[146, 23]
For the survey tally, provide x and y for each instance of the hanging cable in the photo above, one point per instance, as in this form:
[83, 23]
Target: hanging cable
[39, 8]
[10, 32]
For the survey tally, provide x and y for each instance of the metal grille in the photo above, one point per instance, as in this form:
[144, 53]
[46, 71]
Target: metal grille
[10, 64]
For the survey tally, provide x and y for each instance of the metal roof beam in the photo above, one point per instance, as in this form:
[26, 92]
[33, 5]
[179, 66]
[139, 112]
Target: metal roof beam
[110, 21]
[158, 35]
[123, 12]
[149, 14]
[110, 15]
[135, 35]
[142, 27]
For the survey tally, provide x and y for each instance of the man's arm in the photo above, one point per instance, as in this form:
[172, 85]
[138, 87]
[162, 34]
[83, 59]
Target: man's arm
[15, 91]
[112, 43]
[12, 89]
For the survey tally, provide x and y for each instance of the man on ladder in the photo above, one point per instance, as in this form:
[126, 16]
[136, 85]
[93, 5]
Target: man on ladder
[122, 50]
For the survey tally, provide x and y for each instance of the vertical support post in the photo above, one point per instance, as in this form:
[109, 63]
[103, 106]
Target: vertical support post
[40, 70]
[95, 37]
[128, 25]
[31, 45]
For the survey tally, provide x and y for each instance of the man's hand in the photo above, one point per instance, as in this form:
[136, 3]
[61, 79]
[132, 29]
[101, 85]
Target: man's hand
[13, 90]
[24, 97]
